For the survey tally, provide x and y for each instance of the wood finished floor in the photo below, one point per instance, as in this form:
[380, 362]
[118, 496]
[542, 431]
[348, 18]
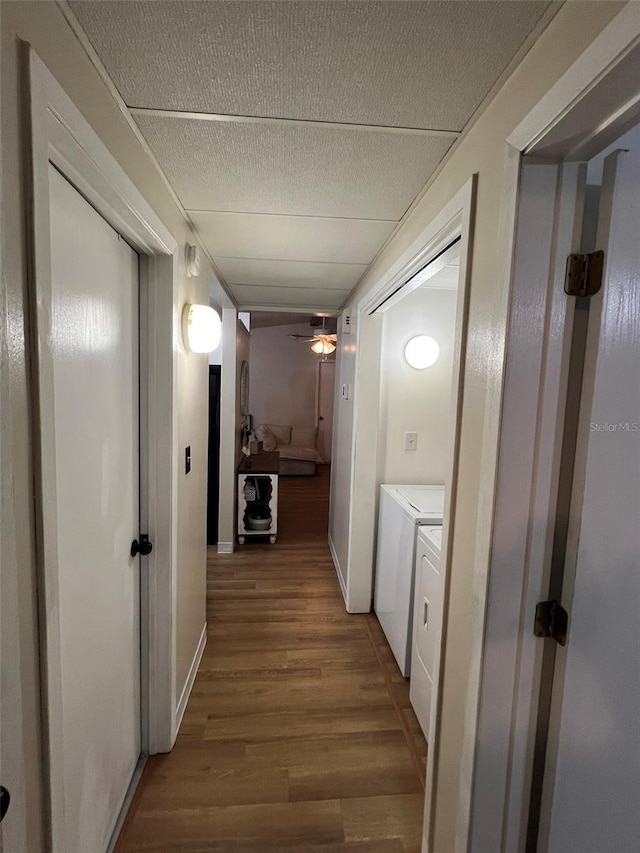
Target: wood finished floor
[298, 735]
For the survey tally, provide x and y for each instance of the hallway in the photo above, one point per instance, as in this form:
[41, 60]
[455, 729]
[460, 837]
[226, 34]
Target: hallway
[298, 734]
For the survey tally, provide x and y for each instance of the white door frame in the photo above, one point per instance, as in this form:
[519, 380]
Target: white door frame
[60, 135]
[454, 221]
[590, 106]
[317, 407]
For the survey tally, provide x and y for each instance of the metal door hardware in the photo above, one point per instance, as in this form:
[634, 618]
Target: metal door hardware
[5, 799]
[583, 276]
[552, 621]
[143, 547]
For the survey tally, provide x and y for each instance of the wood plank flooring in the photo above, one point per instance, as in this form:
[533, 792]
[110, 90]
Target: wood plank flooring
[298, 735]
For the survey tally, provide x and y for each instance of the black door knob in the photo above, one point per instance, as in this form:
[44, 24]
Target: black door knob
[5, 799]
[143, 547]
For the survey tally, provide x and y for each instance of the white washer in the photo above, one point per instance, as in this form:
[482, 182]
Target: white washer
[402, 510]
[427, 623]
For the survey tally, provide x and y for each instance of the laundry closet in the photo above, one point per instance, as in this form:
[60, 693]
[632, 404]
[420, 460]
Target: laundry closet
[414, 461]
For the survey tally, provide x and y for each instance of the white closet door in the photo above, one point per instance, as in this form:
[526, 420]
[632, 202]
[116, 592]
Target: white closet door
[95, 377]
[593, 786]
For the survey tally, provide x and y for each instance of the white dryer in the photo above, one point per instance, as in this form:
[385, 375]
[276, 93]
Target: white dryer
[403, 509]
[427, 623]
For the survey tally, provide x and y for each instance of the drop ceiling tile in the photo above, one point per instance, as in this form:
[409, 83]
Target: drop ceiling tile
[299, 170]
[289, 273]
[288, 297]
[292, 238]
[416, 64]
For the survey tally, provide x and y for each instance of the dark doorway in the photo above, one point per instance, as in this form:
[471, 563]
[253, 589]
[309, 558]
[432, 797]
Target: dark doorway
[214, 454]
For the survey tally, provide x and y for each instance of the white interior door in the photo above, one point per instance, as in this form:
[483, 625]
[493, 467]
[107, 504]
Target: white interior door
[326, 384]
[592, 785]
[94, 286]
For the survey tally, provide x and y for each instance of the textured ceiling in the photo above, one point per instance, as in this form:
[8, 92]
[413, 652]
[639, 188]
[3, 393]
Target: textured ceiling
[291, 238]
[263, 296]
[415, 64]
[290, 273]
[294, 206]
[304, 171]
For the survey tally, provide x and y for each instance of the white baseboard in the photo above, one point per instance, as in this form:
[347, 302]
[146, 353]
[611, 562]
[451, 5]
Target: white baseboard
[336, 565]
[225, 547]
[193, 671]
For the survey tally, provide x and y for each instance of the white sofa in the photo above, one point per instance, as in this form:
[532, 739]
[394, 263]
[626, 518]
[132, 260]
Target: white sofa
[296, 446]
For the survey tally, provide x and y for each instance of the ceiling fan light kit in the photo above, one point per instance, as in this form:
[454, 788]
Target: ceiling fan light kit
[322, 341]
[323, 346]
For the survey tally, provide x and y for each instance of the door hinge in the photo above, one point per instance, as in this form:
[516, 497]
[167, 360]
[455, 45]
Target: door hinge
[583, 275]
[552, 621]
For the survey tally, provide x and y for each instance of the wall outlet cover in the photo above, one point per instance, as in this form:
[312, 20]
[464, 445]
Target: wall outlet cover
[411, 441]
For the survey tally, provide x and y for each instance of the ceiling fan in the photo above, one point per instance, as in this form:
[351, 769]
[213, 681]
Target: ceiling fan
[322, 342]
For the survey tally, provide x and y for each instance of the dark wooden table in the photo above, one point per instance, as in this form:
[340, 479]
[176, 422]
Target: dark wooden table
[260, 463]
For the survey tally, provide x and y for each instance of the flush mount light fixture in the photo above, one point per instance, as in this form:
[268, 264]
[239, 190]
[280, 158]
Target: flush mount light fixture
[201, 328]
[421, 351]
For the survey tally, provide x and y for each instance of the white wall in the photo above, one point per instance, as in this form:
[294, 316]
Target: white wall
[359, 371]
[416, 400]
[215, 357]
[482, 152]
[193, 418]
[283, 384]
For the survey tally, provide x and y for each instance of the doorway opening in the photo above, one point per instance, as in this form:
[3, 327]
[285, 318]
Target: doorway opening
[410, 356]
[565, 530]
[595, 525]
[213, 468]
[288, 411]
[576, 689]
[414, 446]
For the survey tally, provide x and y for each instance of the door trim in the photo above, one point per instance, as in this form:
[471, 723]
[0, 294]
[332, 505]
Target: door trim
[592, 104]
[317, 406]
[59, 134]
